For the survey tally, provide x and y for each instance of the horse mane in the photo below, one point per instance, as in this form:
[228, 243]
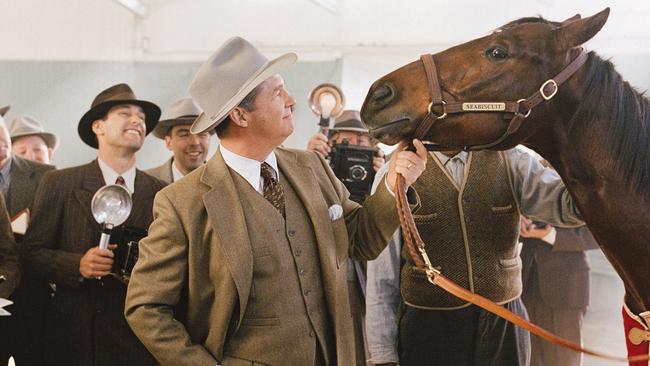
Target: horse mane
[610, 98]
[627, 112]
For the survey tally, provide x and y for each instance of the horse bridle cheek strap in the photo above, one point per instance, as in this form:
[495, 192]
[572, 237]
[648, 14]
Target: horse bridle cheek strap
[411, 236]
[520, 109]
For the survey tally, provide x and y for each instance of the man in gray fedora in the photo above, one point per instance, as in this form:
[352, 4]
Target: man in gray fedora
[21, 335]
[86, 319]
[30, 141]
[189, 150]
[248, 252]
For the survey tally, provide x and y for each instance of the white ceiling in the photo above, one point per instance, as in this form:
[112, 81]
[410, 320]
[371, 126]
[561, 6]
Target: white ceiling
[179, 30]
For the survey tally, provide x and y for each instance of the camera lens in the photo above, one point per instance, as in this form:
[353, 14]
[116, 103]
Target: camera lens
[357, 173]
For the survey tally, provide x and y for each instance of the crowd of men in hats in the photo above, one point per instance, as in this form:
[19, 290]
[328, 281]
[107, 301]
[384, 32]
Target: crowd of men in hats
[247, 255]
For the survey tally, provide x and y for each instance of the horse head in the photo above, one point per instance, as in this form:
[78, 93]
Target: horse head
[509, 64]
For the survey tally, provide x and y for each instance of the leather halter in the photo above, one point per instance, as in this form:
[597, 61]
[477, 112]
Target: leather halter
[520, 109]
[410, 234]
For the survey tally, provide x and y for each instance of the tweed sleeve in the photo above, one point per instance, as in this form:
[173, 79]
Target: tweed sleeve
[149, 310]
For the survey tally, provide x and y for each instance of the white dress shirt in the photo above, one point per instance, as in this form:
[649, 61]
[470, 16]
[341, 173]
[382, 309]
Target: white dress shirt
[176, 173]
[110, 175]
[249, 169]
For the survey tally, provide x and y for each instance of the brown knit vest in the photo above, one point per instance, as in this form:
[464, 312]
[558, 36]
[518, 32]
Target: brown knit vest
[286, 317]
[469, 234]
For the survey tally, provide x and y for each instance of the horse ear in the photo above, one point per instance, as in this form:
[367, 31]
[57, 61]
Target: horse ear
[569, 20]
[579, 31]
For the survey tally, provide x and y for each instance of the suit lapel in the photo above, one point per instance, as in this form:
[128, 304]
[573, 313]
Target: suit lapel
[142, 200]
[227, 218]
[91, 181]
[302, 179]
[21, 180]
[168, 170]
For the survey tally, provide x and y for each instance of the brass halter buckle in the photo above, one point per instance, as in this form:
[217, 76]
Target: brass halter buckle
[547, 82]
[444, 110]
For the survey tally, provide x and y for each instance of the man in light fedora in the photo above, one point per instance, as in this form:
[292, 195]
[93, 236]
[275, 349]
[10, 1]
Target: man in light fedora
[253, 244]
[189, 150]
[86, 319]
[30, 141]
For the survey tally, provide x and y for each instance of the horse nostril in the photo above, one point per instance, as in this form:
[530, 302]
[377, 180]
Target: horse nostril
[383, 94]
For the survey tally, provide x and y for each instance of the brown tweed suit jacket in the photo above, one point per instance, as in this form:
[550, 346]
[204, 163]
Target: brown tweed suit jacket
[86, 317]
[25, 177]
[9, 267]
[163, 172]
[198, 253]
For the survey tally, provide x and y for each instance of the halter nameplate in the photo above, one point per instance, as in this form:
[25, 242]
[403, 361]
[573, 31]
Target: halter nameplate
[484, 107]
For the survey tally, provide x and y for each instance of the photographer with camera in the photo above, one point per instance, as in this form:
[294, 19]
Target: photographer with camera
[354, 158]
[353, 154]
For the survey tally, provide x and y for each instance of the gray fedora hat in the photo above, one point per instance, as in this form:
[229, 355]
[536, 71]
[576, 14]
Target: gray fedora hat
[23, 125]
[349, 120]
[232, 72]
[182, 112]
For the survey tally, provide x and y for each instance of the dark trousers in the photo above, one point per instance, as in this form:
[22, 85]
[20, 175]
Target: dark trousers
[22, 333]
[87, 328]
[466, 337]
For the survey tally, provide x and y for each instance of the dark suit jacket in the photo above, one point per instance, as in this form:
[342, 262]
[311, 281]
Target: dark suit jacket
[9, 267]
[62, 230]
[25, 177]
[561, 270]
[199, 246]
[163, 172]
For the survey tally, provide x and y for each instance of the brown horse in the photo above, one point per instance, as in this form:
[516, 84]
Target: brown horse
[595, 131]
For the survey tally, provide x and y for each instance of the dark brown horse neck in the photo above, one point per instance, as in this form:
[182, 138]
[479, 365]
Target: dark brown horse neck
[597, 136]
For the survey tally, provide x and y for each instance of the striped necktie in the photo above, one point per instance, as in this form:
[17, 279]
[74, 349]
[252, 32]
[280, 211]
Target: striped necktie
[120, 180]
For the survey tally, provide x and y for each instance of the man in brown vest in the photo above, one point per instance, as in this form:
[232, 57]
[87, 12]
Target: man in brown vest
[86, 321]
[469, 222]
[189, 150]
[253, 245]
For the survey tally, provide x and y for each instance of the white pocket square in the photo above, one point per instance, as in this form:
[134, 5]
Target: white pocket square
[335, 212]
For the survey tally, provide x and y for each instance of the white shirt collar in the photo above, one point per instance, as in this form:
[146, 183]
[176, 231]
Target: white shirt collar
[176, 174]
[111, 175]
[462, 156]
[249, 169]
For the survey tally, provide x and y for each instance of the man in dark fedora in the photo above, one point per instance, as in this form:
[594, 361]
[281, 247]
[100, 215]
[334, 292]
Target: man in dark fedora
[86, 320]
[189, 150]
[21, 333]
[30, 141]
[253, 244]
[349, 129]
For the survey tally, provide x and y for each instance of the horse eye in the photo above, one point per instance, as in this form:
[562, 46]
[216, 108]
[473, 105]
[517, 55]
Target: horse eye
[496, 53]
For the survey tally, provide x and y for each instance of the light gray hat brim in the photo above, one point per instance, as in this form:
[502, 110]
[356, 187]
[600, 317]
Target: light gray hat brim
[162, 128]
[51, 140]
[204, 122]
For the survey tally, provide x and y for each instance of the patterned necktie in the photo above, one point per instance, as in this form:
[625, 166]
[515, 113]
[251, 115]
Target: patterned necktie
[119, 180]
[272, 189]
